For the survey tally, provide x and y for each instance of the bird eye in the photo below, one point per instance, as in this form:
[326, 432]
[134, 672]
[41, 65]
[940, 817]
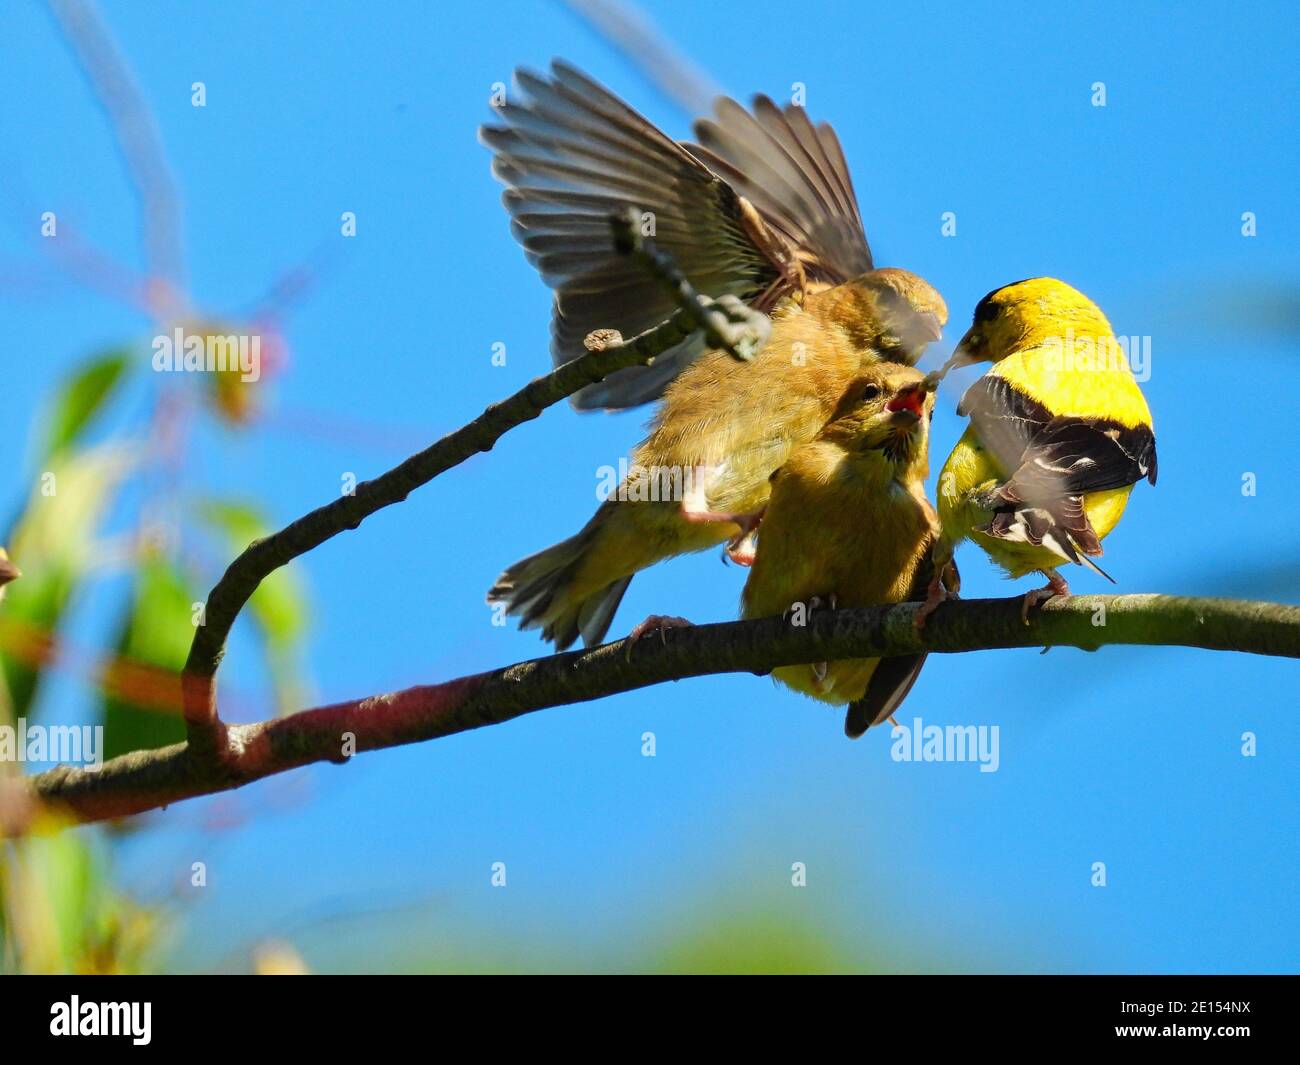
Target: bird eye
[986, 311]
[871, 392]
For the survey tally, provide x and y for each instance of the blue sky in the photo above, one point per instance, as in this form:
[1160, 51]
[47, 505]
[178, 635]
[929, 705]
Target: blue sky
[1128, 756]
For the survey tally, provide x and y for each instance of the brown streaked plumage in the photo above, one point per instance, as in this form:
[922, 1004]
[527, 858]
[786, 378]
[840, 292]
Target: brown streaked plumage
[762, 209]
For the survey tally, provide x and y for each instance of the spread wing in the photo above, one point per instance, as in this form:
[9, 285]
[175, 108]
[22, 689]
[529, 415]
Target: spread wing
[570, 155]
[795, 175]
[1053, 463]
[762, 205]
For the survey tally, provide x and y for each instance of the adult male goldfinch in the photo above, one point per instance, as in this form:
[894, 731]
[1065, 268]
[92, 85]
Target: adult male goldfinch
[761, 209]
[1059, 434]
[848, 525]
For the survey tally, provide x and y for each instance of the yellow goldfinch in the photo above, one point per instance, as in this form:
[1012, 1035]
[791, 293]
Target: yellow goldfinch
[1059, 434]
[849, 525]
[762, 209]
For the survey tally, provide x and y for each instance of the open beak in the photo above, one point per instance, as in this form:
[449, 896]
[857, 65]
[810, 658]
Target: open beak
[8, 572]
[911, 399]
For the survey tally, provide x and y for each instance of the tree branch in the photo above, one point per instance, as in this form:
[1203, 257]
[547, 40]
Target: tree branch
[217, 757]
[146, 780]
[725, 326]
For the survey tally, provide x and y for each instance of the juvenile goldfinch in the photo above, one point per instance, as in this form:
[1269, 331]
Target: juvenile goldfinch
[763, 210]
[848, 525]
[1059, 434]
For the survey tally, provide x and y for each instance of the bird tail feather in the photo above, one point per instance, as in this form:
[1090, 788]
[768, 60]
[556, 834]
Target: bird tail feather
[538, 590]
[888, 687]
[1062, 527]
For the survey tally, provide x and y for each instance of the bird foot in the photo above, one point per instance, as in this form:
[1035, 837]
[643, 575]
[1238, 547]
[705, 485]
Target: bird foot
[822, 602]
[1056, 585]
[741, 547]
[818, 670]
[935, 593]
[799, 613]
[659, 623]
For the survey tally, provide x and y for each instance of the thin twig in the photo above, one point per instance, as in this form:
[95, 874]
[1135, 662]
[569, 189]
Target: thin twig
[728, 323]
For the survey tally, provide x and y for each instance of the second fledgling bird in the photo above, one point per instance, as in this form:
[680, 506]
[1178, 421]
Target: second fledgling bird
[849, 525]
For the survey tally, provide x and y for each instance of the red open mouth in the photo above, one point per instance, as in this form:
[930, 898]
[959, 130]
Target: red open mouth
[910, 399]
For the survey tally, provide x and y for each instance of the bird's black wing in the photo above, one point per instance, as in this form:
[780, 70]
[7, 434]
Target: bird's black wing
[1075, 456]
[1049, 455]
[1054, 462]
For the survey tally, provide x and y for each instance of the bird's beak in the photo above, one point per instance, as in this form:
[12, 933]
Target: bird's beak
[8, 572]
[919, 330]
[970, 349]
[910, 400]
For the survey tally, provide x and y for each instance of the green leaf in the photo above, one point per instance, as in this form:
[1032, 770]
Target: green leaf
[82, 396]
[278, 607]
[66, 916]
[53, 543]
[142, 687]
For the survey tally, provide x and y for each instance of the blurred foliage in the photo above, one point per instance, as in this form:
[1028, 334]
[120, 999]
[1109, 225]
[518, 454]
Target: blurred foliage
[60, 913]
[747, 932]
[233, 394]
[82, 397]
[55, 539]
[141, 683]
[275, 957]
[59, 909]
[754, 943]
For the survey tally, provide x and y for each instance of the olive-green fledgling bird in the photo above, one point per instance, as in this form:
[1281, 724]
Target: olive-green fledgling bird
[849, 525]
[761, 208]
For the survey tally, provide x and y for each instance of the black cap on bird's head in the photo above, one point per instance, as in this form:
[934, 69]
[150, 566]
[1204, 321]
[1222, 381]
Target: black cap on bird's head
[1024, 314]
